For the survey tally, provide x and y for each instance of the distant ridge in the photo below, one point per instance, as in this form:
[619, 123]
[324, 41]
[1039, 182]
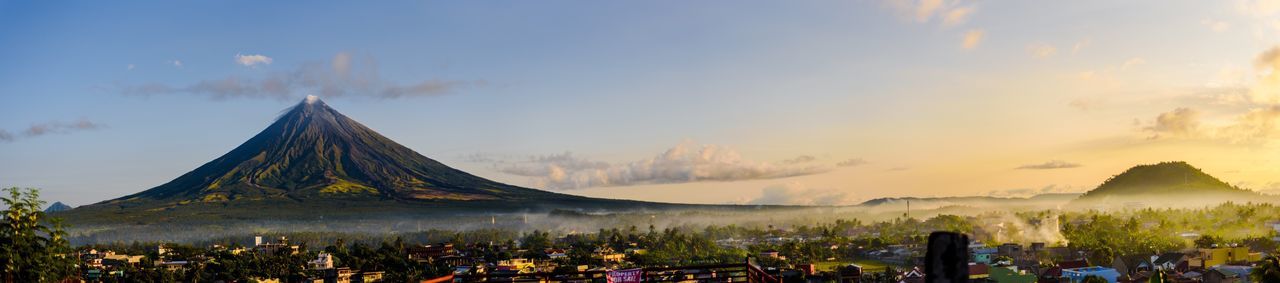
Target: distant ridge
[964, 199]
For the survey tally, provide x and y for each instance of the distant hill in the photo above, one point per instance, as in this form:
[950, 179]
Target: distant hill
[314, 162]
[1042, 200]
[1174, 183]
[1174, 177]
[56, 207]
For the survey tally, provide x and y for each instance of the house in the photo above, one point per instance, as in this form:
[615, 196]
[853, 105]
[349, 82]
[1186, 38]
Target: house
[516, 264]
[428, 253]
[281, 245]
[1076, 275]
[1053, 273]
[1132, 264]
[978, 271]
[1218, 276]
[851, 273]
[323, 261]
[1228, 273]
[555, 254]
[1171, 262]
[1207, 258]
[915, 275]
[1012, 250]
[369, 276]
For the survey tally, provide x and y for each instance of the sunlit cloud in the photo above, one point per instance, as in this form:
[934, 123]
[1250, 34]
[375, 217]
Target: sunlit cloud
[796, 193]
[176, 63]
[1216, 25]
[1031, 192]
[1180, 123]
[972, 38]
[684, 163]
[1042, 50]
[1132, 62]
[957, 16]
[1052, 164]
[252, 60]
[852, 162]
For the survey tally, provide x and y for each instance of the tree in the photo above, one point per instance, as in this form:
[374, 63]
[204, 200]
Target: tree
[1207, 241]
[33, 247]
[1267, 271]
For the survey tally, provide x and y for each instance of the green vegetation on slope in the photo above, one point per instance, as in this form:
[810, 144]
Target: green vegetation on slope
[1163, 178]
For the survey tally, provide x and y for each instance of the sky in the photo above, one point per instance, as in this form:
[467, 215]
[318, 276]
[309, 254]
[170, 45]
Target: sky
[773, 102]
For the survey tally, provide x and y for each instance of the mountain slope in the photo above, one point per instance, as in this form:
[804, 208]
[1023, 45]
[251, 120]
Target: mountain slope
[312, 151]
[56, 207]
[1166, 184]
[1175, 177]
[314, 163]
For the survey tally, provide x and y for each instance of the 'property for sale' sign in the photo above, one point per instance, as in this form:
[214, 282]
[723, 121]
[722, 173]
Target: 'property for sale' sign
[625, 275]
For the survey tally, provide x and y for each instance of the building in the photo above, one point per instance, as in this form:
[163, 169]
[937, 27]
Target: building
[1177, 262]
[1076, 275]
[1207, 258]
[1132, 264]
[281, 244]
[323, 261]
[1227, 273]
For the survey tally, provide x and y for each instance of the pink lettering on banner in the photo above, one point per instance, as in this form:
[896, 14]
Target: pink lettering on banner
[625, 275]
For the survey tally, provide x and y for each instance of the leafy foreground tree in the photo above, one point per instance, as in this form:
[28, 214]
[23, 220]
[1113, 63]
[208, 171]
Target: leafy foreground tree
[32, 251]
[1268, 271]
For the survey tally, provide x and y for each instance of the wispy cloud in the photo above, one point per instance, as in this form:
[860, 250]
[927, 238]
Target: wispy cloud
[972, 38]
[799, 194]
[252, 60]
[344, 75]
[1042, 50]
[1030, 192]
[1132, 62]
[1216, 25]
[54, 127]
[176, 63]
[851, 162]
[1052, 164]
[684, 163]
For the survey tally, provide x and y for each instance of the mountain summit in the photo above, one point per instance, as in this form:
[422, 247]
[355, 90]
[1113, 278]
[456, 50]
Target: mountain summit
[312, 151]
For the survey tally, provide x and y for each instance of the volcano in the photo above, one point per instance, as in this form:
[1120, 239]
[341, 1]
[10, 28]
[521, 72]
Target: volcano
[313, 151]
[313, 160]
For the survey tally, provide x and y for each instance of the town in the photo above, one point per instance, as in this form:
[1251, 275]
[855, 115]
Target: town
[1135, 249]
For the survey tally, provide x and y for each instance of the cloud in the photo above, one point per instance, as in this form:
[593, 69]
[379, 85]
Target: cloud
[1030, 192]
[947, 12]
[1085, 104]
[176, 63]
[1132, 62]
[1079, 45]
[1042, 50]
[957, 16]
[1267, 88]
[899, 168]
[684, 163]
[1181, 122]
[54, 127]
[798, 194]
[1216, 25]
[800, 159]
[345, 75]
[972, 38]
[129, 67]
[1256, 126]
[1052, 164]
[252, 60]
[851, 162]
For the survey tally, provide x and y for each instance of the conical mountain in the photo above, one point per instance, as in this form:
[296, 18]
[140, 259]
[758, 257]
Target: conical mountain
[56, 207]
[312, 151]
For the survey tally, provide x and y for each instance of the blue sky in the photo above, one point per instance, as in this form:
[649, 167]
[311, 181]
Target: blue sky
[847, 100]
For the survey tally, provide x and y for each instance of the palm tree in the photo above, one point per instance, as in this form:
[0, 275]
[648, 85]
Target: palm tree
[1268, 271]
